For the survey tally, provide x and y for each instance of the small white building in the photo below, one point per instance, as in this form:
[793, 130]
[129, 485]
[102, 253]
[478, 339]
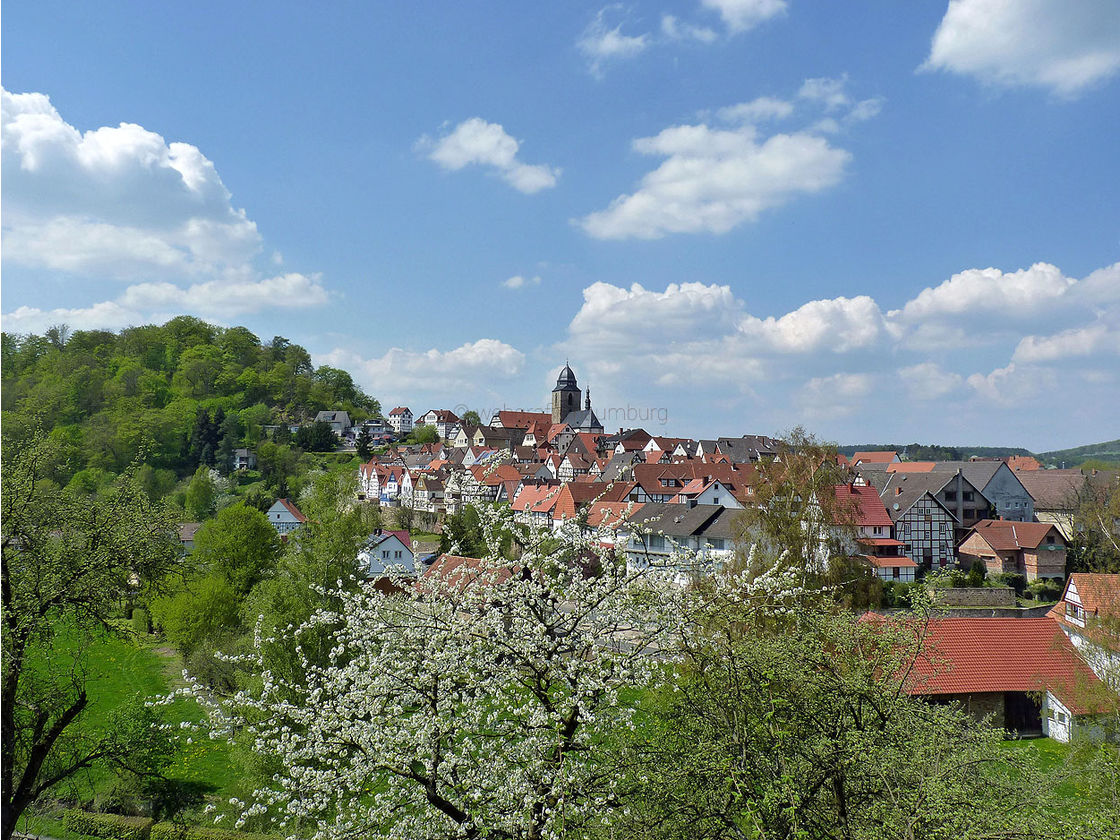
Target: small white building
[400, 419]
[285, 517]
[339, 421]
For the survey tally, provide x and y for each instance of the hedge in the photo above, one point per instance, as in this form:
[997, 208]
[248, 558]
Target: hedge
[176, 831]
[111, 826]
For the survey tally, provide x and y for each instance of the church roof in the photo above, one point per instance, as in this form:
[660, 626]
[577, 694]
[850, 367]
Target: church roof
[583, 421]
[566, 379]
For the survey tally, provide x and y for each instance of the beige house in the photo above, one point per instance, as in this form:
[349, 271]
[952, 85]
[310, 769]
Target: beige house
[1034, 549]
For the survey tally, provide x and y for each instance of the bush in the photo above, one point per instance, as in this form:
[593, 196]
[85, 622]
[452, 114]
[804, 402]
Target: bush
[112, 826]
[141, 624]
[175, 831]
[1015, 580]
[1044, 590]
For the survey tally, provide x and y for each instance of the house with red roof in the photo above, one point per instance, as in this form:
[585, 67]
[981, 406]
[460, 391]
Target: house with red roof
[400, 419]
[285, 517]
[875, 457]
[859, 506]
[1023, 674]
[1034, 549]
[520, 419]
[1089, 614]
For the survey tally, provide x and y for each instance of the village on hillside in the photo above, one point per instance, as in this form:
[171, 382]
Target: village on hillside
[987, 537]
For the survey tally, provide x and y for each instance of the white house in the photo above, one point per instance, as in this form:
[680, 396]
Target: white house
[385, 553]
[285, 517]
[400, 419]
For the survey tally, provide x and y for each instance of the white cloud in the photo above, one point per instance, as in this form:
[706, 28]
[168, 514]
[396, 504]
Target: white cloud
[476, 141]
[988, 290]
[836, 360]
[928, 381]
[713, 180]
[741, 15]
[1015, 385]
[113, 202]
[676, 30]
[1060, 45]
[1094, 340]
[838, 324]
[447, 373]
[601, 42]
[520, 282]
[156, 302]
[757, 110]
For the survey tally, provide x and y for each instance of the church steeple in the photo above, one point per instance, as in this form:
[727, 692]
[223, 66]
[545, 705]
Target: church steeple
[566, 394]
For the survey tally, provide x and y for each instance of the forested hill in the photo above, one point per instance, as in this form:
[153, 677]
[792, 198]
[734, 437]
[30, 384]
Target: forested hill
[174, 396]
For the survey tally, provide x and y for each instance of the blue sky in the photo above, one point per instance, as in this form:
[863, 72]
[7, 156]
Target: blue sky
[879, 220]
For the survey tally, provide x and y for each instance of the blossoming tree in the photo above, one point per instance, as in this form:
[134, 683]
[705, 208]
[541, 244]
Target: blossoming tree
[481, 702]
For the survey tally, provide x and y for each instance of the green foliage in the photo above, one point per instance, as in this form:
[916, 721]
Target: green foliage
[177, 831]
[141, 622]
[109, 826]
[319, 557]
[423, 434]
[170, 394]
[200, 494]
[364, 444]
[318, 437]
[204, 611]
[800, 730]
[68, 563]
[471, 418]
[239, 544]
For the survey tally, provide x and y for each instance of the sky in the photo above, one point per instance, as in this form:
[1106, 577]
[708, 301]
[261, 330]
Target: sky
[881, 221]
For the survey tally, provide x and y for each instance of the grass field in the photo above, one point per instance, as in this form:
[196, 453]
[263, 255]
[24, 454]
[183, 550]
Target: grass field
[120, 674]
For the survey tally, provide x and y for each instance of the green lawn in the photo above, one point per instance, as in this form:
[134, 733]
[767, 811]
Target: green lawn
[121, 672]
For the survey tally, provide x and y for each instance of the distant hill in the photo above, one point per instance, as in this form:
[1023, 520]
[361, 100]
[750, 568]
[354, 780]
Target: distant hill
[934, 452]
[1108, 452]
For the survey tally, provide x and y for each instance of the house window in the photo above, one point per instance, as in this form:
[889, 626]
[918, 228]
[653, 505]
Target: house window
[1050, 540]
[716, 543]
[878, 529]
[896, 572]
[969, 513]
[967, 495]
[397, 555]
[656, 542]
[715, 501]
[385, 555]
[950, 495]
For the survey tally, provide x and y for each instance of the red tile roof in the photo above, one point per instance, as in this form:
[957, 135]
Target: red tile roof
[1023, 462]
[523, 419]
[976, 655]
[897, 562]
[1005, 535]
[460, 572]
[912, 467]
[400, 409]
[293, 510]
[1099, 595]
[875, 457]
[860, 505]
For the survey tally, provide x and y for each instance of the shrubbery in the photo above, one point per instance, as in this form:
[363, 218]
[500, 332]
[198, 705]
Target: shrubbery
[177, 831]
[141, 625]
[112, 826]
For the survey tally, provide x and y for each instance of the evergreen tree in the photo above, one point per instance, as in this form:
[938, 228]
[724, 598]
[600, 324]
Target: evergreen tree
[365, 444]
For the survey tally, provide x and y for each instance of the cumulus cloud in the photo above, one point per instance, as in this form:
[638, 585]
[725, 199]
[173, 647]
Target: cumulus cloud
[144, 303]
[476, 141]
[116, 202]
[741, 15]
[713, 179]
[601, 43]
[520, 282]
[1094, 340]
[1062, 46]
[400, 372]
[845, 357]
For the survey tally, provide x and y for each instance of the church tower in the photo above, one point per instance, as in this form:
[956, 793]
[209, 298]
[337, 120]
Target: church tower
[565, 396]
